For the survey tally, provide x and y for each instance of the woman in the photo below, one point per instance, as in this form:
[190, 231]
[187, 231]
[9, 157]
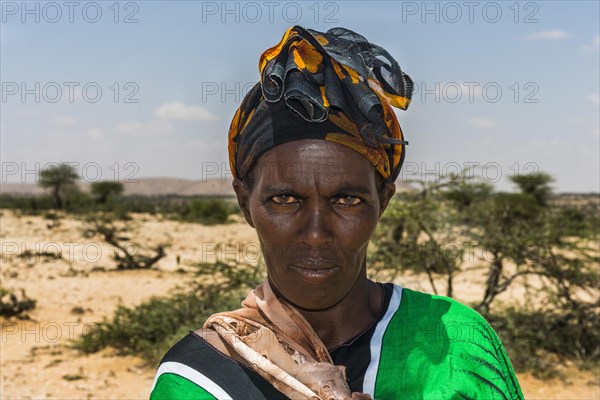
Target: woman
[315, 149]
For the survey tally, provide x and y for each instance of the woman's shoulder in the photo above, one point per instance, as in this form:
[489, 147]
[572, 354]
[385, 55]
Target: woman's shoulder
[213, 339]
[439, 319]
[199, 346]
[437, 307]
[196, 346]
[453, 348]
[199, 366]
[181, 372]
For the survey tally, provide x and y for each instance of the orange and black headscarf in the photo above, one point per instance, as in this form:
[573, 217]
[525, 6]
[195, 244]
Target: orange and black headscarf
[334, 86]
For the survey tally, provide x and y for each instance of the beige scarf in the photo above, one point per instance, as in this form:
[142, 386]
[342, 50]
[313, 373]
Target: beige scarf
[279, 344]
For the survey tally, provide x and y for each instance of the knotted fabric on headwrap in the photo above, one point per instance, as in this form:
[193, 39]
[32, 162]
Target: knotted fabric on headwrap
[334, 86]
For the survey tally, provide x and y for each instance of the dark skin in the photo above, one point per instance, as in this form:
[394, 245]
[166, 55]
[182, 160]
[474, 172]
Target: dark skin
[315, 205]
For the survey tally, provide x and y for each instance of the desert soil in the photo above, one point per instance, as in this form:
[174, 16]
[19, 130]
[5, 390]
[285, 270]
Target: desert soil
[36, 359]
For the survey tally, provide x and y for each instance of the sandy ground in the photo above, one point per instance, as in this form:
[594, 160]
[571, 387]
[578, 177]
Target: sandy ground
[36, 360]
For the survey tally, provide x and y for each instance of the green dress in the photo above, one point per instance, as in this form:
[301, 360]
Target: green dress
[421, 346]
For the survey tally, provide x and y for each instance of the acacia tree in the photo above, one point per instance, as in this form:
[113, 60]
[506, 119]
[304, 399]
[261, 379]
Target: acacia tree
[526, 230]
[523, 230]
[128, 255]
[507, 228]
[536, 185]
[421, 233]
[102, 190]
[59, 178]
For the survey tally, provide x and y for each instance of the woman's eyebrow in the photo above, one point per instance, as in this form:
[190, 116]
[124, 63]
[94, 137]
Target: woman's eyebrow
[345, 189]
[352, 188]
[277, 187]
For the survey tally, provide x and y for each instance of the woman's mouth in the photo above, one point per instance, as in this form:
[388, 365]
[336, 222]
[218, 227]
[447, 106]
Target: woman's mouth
[315, 273]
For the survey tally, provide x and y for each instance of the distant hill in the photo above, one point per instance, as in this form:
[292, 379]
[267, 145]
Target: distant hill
[156, 187]
[143, 187]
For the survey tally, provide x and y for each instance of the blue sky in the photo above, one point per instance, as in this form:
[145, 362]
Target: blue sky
[513, 86]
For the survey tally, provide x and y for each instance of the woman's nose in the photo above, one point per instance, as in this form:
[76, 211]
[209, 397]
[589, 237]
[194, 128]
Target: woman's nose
[316, 231]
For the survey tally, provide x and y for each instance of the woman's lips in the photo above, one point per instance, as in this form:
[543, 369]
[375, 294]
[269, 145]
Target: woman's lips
[315, 272]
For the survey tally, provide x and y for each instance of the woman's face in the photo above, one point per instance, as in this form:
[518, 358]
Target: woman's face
[314, 205]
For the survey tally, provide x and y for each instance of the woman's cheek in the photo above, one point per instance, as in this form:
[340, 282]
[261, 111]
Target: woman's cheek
[359, 228]
[278, 227]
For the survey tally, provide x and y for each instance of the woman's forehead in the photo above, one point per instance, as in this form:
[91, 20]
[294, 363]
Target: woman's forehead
[313, 150]
[314, 160]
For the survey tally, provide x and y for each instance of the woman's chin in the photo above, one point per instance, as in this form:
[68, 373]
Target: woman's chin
[311, 299]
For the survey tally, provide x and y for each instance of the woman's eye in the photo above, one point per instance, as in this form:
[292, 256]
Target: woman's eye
[348, 200]
[284, 199]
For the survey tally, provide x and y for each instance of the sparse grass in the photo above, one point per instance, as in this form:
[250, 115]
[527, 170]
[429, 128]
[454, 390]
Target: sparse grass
[206, 210]
[73, 377]
[14, 304]
[149, 329]
[540, 341]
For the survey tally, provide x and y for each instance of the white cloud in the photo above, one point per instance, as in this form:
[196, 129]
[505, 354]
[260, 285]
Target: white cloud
[553, 34]
[585, 123]
[594, 99]
[482, 123]
[577, 120]
[94, 133]
[136, 128]
[594, 46]
[129, 127]
[59, 134]
[21, 113]
[180, 111]
[63, 120]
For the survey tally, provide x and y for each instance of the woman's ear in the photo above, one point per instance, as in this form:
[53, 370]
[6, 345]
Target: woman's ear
[388, 193]
[243, 197]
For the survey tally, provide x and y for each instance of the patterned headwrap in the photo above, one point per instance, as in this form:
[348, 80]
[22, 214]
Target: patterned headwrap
[334, 86]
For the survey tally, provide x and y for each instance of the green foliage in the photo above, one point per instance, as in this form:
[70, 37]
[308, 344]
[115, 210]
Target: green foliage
[60, 174]
[419, 231]
[145, 329]
[537, 340]
[58, 178]
[150, 328]
[536, 184]
[28, 205]
[463, 192]
[102, 190]
[106, 196]
[573, 221]
[76, 201]
[205, 211]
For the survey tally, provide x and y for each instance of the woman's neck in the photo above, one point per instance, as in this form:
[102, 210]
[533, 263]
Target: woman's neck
[348, 318]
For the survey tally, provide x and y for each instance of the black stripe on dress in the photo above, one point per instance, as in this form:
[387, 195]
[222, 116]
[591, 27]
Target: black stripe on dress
[240, 382]
[355, 354]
